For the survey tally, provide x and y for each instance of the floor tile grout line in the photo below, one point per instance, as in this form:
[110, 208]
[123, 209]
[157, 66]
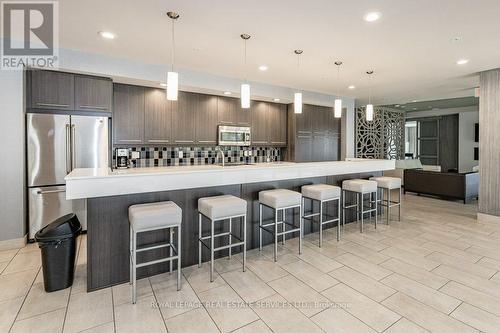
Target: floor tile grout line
[24, 299]
[199, 300]
[71, 288]
[156, 300]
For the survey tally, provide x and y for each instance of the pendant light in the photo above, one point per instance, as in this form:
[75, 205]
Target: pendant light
[245, 87]
[338, 102]
[172, 77]
[297, 97]
[369, 106]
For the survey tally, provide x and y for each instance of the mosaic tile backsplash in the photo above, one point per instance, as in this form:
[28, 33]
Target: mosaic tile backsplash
[169, 156]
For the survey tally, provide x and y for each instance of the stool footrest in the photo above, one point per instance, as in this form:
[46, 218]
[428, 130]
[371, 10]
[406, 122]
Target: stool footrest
[153, 262]
[147, 248]
[279, 223]
[240, 241]
[283, 232]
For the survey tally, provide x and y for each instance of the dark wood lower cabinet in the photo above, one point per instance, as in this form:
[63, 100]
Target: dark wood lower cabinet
[108, 234]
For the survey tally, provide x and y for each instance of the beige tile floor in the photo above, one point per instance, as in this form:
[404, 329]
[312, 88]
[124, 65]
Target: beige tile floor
[437, 270]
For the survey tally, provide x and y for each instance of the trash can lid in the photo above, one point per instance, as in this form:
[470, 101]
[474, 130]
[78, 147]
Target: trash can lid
[64, 227]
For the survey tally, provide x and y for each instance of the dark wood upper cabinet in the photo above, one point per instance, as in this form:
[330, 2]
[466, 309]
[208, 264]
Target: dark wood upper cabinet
[277, 124]
[128, 114]
[226, 110]
[206, 120]
[93, 93]
[260, 123]
[304, 120]
[230, 112]
[183, 117]
[157, 117]
[52, 90]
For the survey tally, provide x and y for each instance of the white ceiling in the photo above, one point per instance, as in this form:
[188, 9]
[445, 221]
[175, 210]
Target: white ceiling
[409, 47]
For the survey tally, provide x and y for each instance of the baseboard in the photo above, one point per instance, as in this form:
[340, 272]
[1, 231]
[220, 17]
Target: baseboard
[488, 218]
[10, 244]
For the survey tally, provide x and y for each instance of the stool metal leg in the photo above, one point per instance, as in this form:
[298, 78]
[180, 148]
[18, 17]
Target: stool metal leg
[283, 227]
[357, 204]
[199, 239]
[388, 204]
[211, 251]
[171, 231]
[179, 251]
[362, 209]
[130, 253]
[338, 219]
[303, 209]
[301, 228]
[343, 210]
[399, 207]
[376, 207]
[275, 235]
[260, 227]
[134, 270]
[320, 223]
[245, 242]
[230, 237]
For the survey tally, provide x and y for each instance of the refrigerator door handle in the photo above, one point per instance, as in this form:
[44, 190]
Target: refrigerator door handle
[73, 149]
[49, 191]
[67, 150]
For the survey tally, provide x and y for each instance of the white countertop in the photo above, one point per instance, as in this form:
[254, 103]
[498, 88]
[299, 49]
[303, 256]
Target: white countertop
[90, 183]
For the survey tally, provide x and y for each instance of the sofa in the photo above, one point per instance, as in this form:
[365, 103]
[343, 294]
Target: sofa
[450, 185]
[402, 165]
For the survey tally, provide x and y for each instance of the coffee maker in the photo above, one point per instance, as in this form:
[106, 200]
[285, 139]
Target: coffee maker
[122, 158]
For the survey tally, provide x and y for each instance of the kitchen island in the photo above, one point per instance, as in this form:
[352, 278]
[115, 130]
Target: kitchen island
[109, 193]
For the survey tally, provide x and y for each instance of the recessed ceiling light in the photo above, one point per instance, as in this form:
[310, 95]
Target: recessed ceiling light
[107, 34]
[414, 101]
[276, 99]
[163, 84]
[263, 68]
[352, 87]
[455, 39]
[462, 61]
[227, 93]
[371, 17]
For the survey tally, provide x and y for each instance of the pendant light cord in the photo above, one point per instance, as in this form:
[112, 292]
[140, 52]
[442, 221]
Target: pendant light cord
[338, 81]
[245, 60]
[173, 44]
[369, 88]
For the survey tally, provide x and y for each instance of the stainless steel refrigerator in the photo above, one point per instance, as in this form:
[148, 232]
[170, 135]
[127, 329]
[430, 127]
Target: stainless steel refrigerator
[58, 144]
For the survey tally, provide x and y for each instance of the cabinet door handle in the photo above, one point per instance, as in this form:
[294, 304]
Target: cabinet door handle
[158, 141]
[93, 107]
[129, 140]
[53, 105]
[279, 142]
[259, 141]
[206, 141]
[184, 141]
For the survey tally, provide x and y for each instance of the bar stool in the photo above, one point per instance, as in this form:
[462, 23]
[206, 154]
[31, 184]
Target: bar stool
[321, 193]
[149, 217]
[386, 184]
[360, 187]
[218, 209]
[280, 200]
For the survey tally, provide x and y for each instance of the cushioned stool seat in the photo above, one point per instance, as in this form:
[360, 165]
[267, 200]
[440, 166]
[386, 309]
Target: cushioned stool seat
[154, 215]
[387, 182]
[222, 206]
[321, 192]
[359, 185]
[280, 198]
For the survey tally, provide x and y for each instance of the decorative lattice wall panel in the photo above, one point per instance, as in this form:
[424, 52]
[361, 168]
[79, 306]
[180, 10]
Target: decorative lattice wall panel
[384, 137]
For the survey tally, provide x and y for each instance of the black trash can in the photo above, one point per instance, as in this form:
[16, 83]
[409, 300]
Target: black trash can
[57, 242]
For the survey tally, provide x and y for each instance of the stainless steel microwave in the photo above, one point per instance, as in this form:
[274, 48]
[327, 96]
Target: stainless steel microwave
[233, 136]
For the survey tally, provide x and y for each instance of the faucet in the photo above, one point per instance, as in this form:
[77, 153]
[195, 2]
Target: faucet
[219, 150]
